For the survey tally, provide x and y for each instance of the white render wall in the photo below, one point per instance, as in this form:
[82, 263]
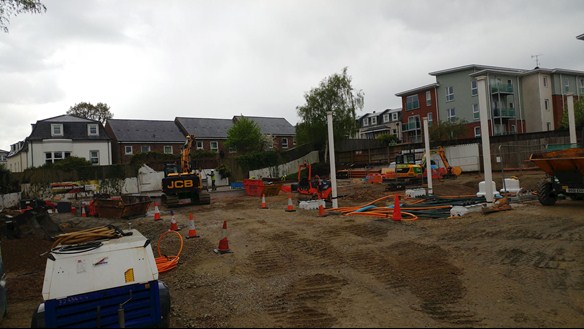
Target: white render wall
[36, 150]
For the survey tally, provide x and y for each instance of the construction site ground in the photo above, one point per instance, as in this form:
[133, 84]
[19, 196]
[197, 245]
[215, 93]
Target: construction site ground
[518, 268]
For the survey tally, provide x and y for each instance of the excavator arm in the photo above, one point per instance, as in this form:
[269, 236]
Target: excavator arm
[450, 171]
[442, 155]
[185, 159]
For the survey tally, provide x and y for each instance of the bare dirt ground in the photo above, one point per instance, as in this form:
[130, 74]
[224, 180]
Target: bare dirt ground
[517, 268]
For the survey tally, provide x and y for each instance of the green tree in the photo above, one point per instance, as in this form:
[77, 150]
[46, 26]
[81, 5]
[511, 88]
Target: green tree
[578, 115]
[447, 130]
[335, 93]
[10, 8]
[245, 136]
[100, 112]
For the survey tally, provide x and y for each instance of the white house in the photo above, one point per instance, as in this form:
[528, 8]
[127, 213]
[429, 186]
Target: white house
[60, 137]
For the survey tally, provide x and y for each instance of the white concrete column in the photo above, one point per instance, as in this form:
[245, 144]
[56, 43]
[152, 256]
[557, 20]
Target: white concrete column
[484, 116]
[331, 139]
[428, 159]
[572, 119]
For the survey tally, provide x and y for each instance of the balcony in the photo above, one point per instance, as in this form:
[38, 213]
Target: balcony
[501, 88]
[412, 105]
[411, 126]
[504, 113]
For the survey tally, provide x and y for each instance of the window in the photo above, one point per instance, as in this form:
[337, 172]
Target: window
[200, 145]
[430, 119]
[284, 143]
[167, 149]
[413, 123]
[92, 129]
[214, 146]
[94, 157]
[394, 116]
[477, 131]
[474, 89]
[549, 126]
[449, 94]
[581, 85]
[145, 148]
[428, 98]
[365, 122]
[56, 129]
[373, 121]
[475, 112]
[128, 150]
[412, 102]
[545, 81]
[386, 118]
[566, 85]
[451, 114]
[546, 104]
[513, 128]
[52, 157]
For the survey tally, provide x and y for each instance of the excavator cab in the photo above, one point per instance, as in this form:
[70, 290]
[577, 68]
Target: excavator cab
[314, 187]
[406, 167]
[170, 169]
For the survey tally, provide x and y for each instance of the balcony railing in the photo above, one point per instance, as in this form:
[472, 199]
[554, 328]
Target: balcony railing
[504, 113]
[412, 105]
[411, 126]
[502, 88]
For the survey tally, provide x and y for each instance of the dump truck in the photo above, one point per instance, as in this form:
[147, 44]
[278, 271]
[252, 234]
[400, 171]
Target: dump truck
[109, 283]
[564, 174]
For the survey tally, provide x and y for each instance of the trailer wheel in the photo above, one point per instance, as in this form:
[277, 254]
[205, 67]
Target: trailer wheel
[546, 194]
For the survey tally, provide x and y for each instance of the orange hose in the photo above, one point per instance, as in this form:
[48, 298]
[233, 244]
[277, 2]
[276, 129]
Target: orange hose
[167, 263]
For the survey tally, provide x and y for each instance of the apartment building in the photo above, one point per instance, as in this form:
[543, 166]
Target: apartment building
[417, 104]
[519, 101]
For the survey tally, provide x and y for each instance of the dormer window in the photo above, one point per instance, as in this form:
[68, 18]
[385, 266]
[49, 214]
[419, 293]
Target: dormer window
[373, 121]
[92, 129]
[57, 129]
[365, 122]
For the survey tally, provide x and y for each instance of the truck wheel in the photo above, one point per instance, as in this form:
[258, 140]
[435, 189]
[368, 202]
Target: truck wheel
[546, 194]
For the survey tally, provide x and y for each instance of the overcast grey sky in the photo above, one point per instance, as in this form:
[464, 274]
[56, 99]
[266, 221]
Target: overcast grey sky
[160, 59]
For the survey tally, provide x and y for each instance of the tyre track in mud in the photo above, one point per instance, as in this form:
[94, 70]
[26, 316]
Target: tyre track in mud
[423, 271]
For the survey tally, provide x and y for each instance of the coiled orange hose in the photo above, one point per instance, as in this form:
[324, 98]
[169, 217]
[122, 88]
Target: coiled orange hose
[166, 263]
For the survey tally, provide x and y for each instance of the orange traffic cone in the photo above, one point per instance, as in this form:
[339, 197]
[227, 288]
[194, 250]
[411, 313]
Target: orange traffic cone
[223, 243]
[173, 224]
[192, 230]
[83, 214]
[156, 212]
[321, 212]
[264, 206]
[290, 205]
[397, 216]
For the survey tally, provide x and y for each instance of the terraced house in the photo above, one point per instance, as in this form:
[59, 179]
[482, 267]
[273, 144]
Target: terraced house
[131, 137]
[387, 122]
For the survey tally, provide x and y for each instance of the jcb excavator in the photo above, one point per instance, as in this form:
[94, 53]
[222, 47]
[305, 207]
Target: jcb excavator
[182, 186]
[450, 172]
